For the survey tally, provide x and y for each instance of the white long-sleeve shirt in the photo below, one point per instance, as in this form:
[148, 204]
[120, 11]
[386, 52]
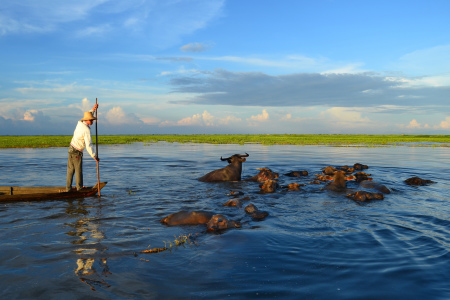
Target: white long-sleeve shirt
[82, 138]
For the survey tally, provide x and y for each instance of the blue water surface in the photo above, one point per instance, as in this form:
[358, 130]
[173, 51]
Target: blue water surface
[315, 244]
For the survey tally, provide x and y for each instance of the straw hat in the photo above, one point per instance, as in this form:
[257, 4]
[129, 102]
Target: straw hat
[88, 116]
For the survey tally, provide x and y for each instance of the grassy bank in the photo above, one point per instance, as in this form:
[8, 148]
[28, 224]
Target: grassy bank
[273, 139]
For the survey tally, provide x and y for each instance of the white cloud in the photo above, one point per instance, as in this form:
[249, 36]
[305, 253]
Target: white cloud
[86, 105]
[229, 120]
[208, 119]
[442, 80]
[195, 47]
[204, 119]
[286, 117]
[159, 23]
[444, 124]
[150, 120]
[29, 16]
[48, 87]
[261, 117]
[344, 115]
[29, 115]
[353, 68]
[189, 121]
[413, 124]
[117, 116]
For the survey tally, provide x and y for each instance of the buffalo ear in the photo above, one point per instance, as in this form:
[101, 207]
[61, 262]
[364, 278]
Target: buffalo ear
[243, 159]
[351, 177]
[328, 177]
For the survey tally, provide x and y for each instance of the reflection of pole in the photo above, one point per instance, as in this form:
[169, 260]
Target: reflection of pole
[96, 149]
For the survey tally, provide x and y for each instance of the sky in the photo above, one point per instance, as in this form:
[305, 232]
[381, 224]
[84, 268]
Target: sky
[225, 66]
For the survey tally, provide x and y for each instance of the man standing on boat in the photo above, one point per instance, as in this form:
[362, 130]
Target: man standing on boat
[81, 139]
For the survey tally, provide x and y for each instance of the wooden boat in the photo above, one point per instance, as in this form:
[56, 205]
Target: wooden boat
[17, 193]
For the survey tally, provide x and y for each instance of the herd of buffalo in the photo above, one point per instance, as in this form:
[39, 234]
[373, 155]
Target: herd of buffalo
[336, 177]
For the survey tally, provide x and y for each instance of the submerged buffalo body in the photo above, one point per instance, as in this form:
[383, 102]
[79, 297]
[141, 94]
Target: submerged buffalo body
[188, 218]
[374, 185]
[297, 173]
[213, 221]
[232, 172]
[418, 181]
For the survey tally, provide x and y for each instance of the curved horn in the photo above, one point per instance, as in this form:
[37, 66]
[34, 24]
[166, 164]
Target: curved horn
[246, 155]
[223, 159]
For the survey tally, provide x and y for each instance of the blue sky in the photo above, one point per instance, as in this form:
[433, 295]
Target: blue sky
[217, 66]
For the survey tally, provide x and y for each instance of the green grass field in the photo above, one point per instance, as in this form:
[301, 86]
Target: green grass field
[272, 139]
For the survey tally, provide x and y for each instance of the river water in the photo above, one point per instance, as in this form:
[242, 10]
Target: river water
[315, 244]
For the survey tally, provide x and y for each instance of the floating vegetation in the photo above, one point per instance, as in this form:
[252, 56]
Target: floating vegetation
[179, 241]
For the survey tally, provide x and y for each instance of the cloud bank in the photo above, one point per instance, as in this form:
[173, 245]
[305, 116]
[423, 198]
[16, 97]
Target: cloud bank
[221, 87]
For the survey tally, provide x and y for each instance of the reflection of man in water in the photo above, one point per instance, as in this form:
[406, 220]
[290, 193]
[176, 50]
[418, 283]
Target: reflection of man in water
[81, 139]
[89, 236]
[86, 272]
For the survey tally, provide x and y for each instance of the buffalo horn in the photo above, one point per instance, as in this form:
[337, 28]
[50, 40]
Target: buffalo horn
[223, 159]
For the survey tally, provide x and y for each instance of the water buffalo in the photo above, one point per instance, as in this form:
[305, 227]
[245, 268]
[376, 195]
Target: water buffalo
[233, 203]
[269, 186]
[213, 222]
[359, 167]
[235, 193]
[188, 218]
[293, 186]
[232, 172]
[255, 213]
[339, 181]
[329, 170]
[418, 181]
[361, 176]
[346, 169]
[364, 196]
[220, 222]
[263, 175]
[297, 173]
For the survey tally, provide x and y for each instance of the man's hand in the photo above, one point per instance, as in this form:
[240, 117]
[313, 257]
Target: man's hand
[95, 107]
[97, 159]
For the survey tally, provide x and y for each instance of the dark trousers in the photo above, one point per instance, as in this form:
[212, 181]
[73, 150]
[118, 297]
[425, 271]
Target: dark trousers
[74, 165]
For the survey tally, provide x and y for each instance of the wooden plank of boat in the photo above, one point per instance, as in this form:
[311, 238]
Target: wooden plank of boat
[16, 193]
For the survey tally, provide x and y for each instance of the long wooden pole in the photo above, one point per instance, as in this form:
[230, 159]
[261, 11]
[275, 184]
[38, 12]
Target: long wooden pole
[96, 150]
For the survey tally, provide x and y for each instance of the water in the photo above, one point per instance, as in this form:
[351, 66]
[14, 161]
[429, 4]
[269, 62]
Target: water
[315, 244]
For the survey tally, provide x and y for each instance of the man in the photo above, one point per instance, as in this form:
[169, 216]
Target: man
[81, 139]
